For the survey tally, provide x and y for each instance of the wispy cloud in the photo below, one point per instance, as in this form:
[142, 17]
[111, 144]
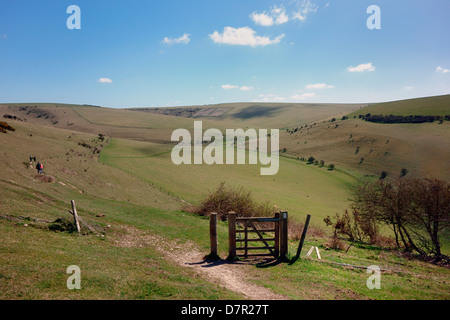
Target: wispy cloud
[304, 9]
[303, 96]
[231, 86]
[104, 80]
[184, 39]
[243, 37]
[442, 70]
[365, 67]
[276, 16]
[319, 86]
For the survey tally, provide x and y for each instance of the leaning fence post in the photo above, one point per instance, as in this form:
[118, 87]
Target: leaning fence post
[75, 215]
[231, 235]
[302, 240]
[213, 234]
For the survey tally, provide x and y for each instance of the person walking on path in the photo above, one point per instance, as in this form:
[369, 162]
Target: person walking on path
[40, 168]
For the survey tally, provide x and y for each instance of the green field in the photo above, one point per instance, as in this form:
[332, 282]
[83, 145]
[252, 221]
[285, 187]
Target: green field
[298, 188]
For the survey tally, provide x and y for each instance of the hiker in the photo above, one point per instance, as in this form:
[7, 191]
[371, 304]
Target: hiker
[39, 168]
[34, 159]
[31, 159]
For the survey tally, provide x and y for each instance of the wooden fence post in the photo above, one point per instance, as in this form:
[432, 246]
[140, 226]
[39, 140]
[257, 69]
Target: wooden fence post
[75, 216]
[283, 235]
[277, 236]
[231, 235]
[302, 240]
[213, 234]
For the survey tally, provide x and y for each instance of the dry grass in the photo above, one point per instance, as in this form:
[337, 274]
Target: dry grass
[295, 230]
[45, 178]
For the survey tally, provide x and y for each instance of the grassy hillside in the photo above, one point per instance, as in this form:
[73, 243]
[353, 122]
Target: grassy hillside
[370, 148]
[430, 106]
[259, 115]
[297, 187]
[127, 186]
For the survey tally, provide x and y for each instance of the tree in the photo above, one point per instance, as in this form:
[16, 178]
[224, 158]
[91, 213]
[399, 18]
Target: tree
[331, 166]
[417, 211]
[430, 213]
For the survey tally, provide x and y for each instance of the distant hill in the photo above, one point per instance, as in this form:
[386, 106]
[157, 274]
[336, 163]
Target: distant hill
[317, 130]
[429, 106]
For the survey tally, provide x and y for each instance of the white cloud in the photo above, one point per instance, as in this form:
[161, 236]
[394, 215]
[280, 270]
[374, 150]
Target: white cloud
[319, 86]
[229, 86]
[262, 19]
[442, 70]
[304, 96]
[276, 16]
[104, 80]
[362, 68]
[243, 37]
[408, 88]
[305, 8]
[280, 15]
[184, 39]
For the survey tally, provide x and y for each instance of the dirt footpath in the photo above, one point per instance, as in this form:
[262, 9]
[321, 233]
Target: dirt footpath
[232, 276]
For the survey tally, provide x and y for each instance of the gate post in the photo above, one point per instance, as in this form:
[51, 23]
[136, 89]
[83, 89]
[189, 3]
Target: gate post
[231, 235]
[277, 235]
[213, 234]
[283, 235]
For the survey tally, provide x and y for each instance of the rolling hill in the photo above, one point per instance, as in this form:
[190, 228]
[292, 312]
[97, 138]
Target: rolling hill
[116, 165]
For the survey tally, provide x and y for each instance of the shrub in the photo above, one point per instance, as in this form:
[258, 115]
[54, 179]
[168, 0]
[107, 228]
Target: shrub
[335, 243]
[225, 199]
[331, 166]
[5, 127]
[403, 172]
[354, 226]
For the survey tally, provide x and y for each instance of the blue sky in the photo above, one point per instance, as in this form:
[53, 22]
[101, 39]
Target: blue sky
[191, 52]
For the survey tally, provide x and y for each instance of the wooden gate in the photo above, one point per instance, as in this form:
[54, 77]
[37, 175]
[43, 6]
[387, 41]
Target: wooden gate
[246, 236]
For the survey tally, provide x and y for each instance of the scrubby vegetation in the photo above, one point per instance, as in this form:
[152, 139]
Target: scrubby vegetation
[227, 198]
[403, 119]
[5, 127]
